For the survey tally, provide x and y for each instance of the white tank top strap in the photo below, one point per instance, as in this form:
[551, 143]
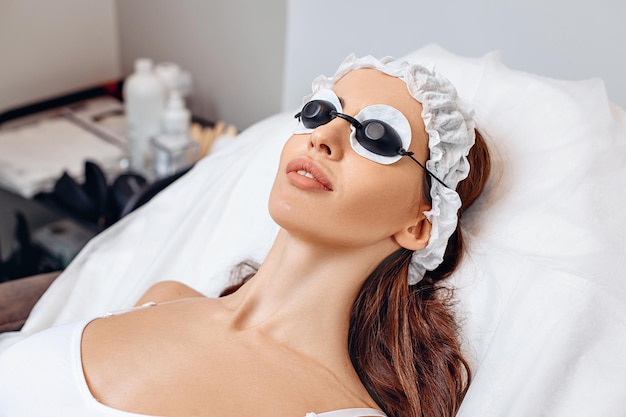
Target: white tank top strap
[128, 310]
[350, 412]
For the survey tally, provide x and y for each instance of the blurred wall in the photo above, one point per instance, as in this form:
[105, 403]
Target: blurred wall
[233, 49]
[49, 48]
[250, 59]
[569, 39]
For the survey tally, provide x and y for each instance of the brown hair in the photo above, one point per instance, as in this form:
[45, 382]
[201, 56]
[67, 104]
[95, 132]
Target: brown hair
[403, 340]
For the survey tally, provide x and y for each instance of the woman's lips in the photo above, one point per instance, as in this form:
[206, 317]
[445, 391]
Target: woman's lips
[304, 173]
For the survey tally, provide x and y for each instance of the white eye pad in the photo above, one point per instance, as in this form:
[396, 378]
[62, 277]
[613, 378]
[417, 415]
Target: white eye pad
[365, 144]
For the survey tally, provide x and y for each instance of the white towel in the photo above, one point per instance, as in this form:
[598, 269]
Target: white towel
[33, 156]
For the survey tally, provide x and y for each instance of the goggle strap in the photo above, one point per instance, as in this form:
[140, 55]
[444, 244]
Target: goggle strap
[404, 152]
[354, 122]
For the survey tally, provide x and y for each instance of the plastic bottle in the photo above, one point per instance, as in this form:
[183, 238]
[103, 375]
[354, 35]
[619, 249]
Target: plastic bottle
[144, 99]
[169, 74]
[173, 149]
[175, 118]
[174, 78]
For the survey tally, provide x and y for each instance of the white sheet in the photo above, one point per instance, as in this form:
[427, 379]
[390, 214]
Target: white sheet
[542, 292]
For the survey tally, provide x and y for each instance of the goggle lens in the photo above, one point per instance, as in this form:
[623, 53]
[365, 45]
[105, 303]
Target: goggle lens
[316, 113]
[378, 137]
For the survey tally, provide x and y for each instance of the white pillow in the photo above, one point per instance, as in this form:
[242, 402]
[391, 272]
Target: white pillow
[541, 292]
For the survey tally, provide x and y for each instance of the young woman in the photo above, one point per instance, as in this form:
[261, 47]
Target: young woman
[345, 317]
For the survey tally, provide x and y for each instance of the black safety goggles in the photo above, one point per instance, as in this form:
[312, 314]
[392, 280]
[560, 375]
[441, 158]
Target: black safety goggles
[373, 138]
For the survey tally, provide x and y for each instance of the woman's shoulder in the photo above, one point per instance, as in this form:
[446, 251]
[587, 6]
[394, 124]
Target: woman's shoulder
[167, 308]
[165, 291]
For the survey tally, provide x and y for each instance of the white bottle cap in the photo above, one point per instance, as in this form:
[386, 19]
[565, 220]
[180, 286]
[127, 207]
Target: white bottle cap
[176, 118]
[169, 74]
[143, 65]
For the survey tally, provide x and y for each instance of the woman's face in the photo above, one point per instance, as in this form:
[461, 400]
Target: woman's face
[324, 191]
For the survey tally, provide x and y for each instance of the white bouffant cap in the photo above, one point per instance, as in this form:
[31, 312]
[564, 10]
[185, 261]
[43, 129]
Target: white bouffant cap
[450, 129]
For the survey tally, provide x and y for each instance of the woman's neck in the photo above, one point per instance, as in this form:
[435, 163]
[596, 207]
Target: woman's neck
[303, 294]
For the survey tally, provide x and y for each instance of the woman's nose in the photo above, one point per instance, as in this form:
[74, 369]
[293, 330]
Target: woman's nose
[331, 138]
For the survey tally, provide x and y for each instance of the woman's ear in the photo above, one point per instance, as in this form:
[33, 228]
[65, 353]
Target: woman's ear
[415, 236]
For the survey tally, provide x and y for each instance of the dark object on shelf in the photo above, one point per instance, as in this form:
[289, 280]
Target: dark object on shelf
[125, 189]
[61, 240]
[88, 209]
[26, 257]
[87, 201]
[150, 191]
[95, 204]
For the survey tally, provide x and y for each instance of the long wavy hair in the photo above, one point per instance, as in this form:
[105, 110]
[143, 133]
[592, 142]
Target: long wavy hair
[404, 340]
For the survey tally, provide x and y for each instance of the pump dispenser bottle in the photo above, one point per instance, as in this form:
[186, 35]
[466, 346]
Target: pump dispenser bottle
[173, 149]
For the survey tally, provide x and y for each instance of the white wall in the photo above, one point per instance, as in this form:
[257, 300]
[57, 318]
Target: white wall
[569, 39]
[49, 48]
[233, 49]
[249, 58]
